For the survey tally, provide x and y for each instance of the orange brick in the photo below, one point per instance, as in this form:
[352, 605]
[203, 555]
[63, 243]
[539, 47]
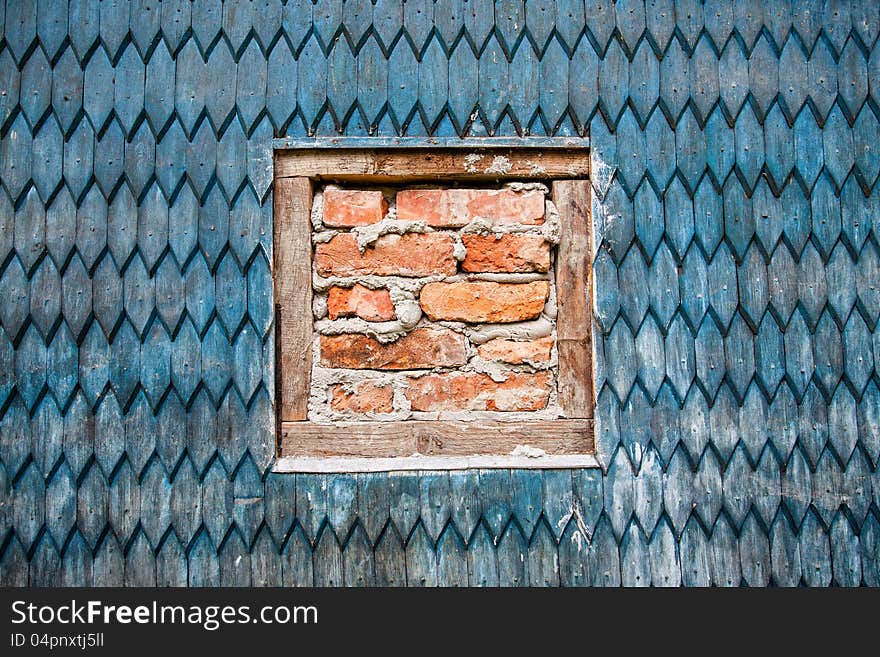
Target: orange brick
[422, 348]
[506, 253]
[457, 207]
[484, 301]
[360, 301]
[478, 392]
[516, 353]
[364, 397]
[345, 208]
[412, 254]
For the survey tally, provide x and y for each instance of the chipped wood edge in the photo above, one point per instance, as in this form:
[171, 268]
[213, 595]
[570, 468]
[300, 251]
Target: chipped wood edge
[334, 465]
[574, 380]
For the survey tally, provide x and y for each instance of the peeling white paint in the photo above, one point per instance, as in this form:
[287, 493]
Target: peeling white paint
[535, 168]
[578, 515]
[471, 160]
[513, 277]
[549, 230]
[500, 164]
[383, 331]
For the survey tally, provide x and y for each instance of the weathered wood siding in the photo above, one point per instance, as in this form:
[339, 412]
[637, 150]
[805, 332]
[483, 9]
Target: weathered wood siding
[737, 289]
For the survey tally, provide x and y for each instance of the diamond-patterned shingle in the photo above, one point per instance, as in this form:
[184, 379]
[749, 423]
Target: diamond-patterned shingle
[686, 266]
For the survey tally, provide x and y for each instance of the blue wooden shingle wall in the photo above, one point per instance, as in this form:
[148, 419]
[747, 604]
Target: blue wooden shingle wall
[735, 163]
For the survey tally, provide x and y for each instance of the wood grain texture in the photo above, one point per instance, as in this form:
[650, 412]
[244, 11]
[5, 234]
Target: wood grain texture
[427, 164]
[433, 438]
[573, 280]
[293, 294]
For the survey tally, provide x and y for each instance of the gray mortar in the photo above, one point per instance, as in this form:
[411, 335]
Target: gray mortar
[403, 298]
[367, 235]
[403, 283]
[320, 237]
[317, 213]
[319, 306]
[408, 311]
[550, 412]
[551, 307]
[528, 187]
[551, 226]
[384, 332]
[478, 364]
[481, 333]
[323, 379]
[413, 286]
[549, 230]
[524, 277]
[459, 250]
[404, 292]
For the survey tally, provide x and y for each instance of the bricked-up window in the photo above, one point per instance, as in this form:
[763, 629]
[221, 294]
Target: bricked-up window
[434, 304]
[433, 309]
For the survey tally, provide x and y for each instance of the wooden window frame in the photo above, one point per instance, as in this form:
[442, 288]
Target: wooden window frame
[305, 446]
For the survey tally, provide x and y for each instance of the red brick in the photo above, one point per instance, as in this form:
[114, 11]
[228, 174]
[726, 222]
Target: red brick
[484, 301]
[506, 253]
[360, 301]
[516, 353]
[457, 207]
[478, 392]
[412, 254]
[422, 348]
[363, 397]
[345, 208]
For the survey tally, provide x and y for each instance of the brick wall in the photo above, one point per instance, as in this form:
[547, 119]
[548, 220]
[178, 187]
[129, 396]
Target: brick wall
[434, 303]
